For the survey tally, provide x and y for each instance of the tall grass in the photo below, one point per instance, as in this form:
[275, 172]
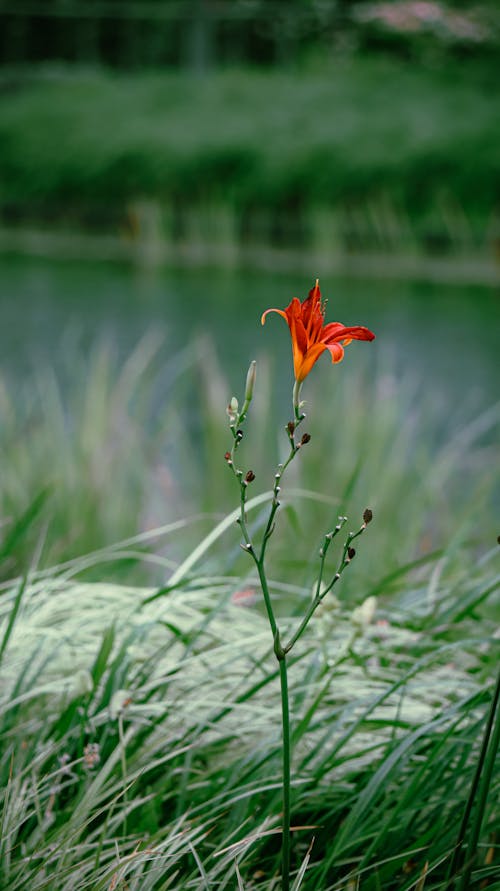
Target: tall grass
[102, 449]
[177, 697]
[86, 445]
[139, 724]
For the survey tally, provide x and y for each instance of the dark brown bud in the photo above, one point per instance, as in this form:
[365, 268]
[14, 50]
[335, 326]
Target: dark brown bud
[305, 439]
[291, 427]
[351, 552]
[239, 435]
[250, 476]
[227, 456]
[368, 516]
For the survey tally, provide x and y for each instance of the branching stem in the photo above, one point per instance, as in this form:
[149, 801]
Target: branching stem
[258, 556]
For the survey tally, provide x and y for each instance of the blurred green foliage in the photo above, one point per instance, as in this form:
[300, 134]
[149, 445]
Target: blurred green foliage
[81, 146]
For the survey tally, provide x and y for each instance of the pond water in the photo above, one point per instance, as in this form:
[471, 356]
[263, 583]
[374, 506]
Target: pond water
[447, 335]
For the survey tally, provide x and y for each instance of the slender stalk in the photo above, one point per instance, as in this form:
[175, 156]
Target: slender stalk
[267, 599]
[321, 594]
[296, 400]
[123, 759]
[258, 556]
[285, 716]
[259, 562]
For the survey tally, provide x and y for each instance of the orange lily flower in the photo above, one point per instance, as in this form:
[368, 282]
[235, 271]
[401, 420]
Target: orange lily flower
[311, 337]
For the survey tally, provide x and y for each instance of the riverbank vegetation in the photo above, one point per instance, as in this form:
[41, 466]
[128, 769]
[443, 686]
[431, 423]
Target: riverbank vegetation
[401, 154]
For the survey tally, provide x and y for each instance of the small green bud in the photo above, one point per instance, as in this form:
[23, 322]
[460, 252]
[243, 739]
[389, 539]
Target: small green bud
[251, 375]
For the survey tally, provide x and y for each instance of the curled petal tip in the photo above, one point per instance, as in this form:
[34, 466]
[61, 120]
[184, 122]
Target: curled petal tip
[264, 314]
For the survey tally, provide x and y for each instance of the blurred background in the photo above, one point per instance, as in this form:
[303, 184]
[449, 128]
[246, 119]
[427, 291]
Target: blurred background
[171, 168]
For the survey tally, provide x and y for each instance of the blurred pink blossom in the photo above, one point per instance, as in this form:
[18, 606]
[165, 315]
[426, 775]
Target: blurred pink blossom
[416, 16]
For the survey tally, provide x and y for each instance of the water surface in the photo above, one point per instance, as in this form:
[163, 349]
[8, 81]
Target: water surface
[444, 334]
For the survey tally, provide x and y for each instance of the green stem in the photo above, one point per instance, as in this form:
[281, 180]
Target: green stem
[267, 597]
[311, 610]
[319, 594]
[259, 562]
[285, 717]
[123, 759]
[296, 400]
[285, 709]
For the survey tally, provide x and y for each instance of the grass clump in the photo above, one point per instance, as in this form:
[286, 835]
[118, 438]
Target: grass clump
[139, 736]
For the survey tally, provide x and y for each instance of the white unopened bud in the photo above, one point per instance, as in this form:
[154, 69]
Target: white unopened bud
[232, 410]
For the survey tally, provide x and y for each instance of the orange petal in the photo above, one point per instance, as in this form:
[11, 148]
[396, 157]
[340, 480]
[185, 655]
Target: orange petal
[264, 314]
[336, 352]
[309, 359]
[334, 332]
[315, 293]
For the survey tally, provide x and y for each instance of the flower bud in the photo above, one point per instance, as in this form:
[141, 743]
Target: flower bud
[351, 552]
[251, 375]
[367, 516]
[232, 410]
[250, 476]
[305, 439]
[291, 427]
